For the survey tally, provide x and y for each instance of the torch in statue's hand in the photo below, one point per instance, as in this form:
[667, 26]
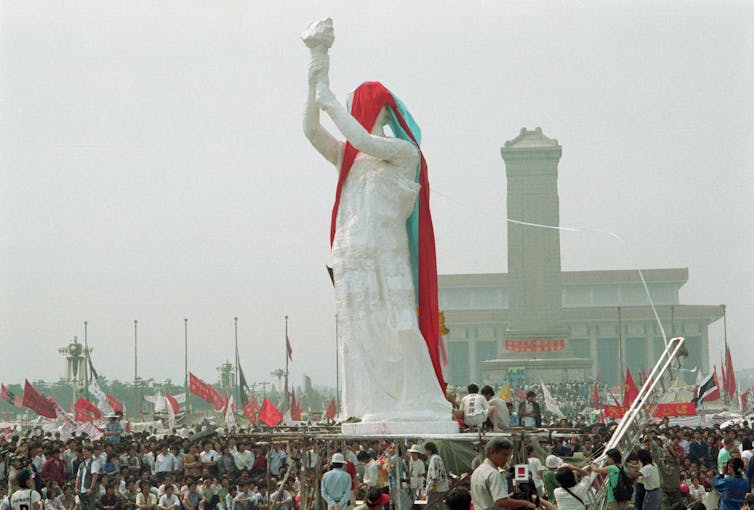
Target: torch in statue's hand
[318, 37]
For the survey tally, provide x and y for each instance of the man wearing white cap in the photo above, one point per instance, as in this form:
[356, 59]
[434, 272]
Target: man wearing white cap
[336, 484]
[416, 471]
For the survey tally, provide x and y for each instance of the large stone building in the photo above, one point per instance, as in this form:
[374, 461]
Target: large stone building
[537, 322]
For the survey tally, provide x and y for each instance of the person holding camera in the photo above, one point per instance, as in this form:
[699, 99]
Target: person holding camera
[489, 489]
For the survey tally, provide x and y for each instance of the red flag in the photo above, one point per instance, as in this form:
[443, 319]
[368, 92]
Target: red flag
[730, 382]
[288, 348]
[295, 407]
[81, 415]
[43, 406]
[269, 414]
[629, 390]
[250, 409]
[115, 404]
[715, 395]
[5, 392]
[207, 392]
[172, 402]
[330, 413]
[745, 399]
[88, 408]
[595, 391]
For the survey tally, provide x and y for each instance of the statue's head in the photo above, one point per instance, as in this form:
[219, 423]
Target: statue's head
[373, 104]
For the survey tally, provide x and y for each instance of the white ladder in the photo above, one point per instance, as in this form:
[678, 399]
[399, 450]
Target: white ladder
[627, 435]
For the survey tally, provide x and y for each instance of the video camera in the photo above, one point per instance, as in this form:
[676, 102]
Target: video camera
[523, 484]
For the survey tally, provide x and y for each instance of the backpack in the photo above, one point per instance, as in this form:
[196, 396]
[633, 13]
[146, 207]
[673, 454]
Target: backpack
[623, 489]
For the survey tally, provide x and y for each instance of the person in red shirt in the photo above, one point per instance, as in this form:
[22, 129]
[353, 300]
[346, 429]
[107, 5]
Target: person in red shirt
[54, 468]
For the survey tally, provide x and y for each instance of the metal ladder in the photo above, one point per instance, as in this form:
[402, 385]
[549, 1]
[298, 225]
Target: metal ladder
[631, 427]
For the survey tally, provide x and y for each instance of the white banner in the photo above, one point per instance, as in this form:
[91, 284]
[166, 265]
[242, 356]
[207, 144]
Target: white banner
[550, 404]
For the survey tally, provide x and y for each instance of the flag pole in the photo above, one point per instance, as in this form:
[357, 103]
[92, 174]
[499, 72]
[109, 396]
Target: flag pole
[725, 360]
[287, 342]
[620, 352]
[236, 377]
[185, 369]
[86, 365]
[136, 366]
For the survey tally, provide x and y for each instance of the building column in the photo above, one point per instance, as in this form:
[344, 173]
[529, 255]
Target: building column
[474, 371]
[593, 351]
[651, 355]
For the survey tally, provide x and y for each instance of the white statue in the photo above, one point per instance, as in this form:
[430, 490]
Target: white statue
[390, 372]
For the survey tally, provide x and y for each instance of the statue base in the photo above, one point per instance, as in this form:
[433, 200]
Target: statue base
[403, 428]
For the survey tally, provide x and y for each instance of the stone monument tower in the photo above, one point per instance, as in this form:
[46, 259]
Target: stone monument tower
[535, 339]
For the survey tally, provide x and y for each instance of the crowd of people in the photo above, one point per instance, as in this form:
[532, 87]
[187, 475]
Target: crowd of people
[672, 468]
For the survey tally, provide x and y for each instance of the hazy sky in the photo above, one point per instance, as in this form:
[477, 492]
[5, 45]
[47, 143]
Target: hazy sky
[154, 166]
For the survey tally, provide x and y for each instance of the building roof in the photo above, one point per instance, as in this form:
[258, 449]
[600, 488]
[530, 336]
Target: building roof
[671, 275]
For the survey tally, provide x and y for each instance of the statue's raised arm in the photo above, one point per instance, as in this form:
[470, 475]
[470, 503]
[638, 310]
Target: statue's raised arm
[319, 37]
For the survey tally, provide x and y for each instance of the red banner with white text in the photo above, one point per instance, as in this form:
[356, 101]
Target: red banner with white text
[661, 411]
[536, 345]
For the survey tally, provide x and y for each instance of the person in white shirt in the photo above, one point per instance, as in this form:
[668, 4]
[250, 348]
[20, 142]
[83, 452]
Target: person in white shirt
[474, 408]
[168, 501]
[651, 475]
[489, 489]
[165, 462]
[371, 470]
[209, 457]
[416, 471]
[499, 415]
[535, 469]
[244, 459]
[25, 498]
[571, 495]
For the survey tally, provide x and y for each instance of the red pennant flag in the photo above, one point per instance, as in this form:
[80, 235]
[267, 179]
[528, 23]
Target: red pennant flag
[330, 413]
[172, 402]
[629, 390]
[43, 406]
[250, 409]
[207, 392]
[295, 407]
[288, 348]
[115, 404]
[715, 395]
[730, 382]
[595, 391]
[5, 392]
[269, 414]
[88, 408]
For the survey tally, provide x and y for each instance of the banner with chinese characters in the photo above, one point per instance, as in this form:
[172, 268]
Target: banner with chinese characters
[661, 411]
[535, 345]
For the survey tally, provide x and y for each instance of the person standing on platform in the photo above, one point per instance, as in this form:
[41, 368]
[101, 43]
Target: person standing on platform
[529, 413]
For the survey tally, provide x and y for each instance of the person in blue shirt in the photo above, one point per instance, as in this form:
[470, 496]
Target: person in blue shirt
[732, 488]
[336, 484]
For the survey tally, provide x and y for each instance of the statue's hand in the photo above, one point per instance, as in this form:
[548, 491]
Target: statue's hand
[325, 98]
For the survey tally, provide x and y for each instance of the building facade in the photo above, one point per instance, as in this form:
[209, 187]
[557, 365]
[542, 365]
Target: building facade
[537, 322]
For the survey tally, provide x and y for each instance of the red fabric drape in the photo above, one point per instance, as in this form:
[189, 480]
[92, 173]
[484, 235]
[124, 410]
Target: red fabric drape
[368, 100]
